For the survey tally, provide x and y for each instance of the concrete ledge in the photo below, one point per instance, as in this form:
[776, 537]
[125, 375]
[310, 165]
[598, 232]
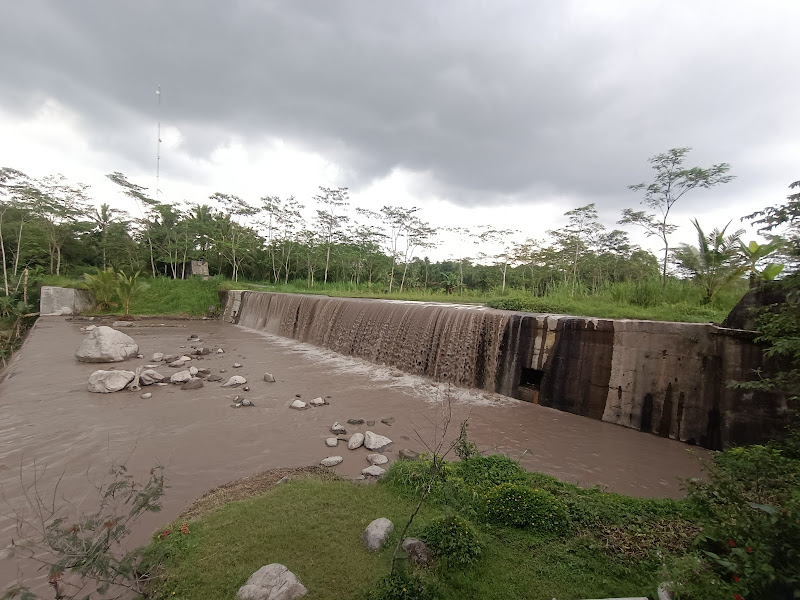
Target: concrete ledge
[64, 301]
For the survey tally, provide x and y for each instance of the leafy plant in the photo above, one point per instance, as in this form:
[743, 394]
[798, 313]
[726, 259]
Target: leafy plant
[465, 449]
[453, 538]
[401, 586]
[88, 548]
[103, 286]
[521, 506]
[749, 509]
[128, 287]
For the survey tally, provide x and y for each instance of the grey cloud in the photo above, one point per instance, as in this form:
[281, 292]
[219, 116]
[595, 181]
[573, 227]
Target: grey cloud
[504, 100]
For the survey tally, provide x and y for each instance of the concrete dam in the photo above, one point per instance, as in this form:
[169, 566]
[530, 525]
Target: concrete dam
[668, 379]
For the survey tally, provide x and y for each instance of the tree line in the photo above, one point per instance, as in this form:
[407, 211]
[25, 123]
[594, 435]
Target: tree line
[49, 226]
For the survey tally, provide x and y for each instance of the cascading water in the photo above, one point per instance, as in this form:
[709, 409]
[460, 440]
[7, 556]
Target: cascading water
[463, 345]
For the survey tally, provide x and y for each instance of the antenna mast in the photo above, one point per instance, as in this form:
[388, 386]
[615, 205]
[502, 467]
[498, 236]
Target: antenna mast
[158, 145]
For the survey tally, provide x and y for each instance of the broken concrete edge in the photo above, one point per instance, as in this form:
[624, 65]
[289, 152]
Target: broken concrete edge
[60, 301]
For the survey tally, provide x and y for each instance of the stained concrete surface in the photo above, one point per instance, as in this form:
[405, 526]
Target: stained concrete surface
[48, 417]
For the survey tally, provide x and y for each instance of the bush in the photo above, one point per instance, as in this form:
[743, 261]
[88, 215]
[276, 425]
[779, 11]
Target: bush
[521, 506]
[487, 471]
[401, 586]
[452, 538]
[750, 513]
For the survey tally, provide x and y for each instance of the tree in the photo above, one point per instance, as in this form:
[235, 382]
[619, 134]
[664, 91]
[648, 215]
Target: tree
[715, 261]
[104, 219]
[578, 235]
[506, 256]
[672, 181]
[330, 223]
[398, 220]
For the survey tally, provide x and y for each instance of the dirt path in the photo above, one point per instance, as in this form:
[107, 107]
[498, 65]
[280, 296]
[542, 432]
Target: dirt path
[47, 416]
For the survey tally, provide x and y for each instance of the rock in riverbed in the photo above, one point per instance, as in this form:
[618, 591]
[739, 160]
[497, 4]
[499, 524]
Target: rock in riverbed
[331, 461]
[337, 429]
[195, 383]
[268, 377]
[235, 381]
[104, 345]
[104, 382]
[356, 441]
[376, 442]
[373, 471]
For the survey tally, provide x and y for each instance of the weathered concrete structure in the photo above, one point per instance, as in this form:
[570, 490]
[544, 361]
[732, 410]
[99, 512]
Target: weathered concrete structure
[64, 301]
[669, 379]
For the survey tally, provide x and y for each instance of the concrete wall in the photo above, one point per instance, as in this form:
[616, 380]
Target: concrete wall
[64, 301]
[668, 379]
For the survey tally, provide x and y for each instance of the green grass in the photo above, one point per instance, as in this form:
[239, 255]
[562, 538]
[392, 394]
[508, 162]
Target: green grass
[678, 301]
[314, 527]
[163, 296]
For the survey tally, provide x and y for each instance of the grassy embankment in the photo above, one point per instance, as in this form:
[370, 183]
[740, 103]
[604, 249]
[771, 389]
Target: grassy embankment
[314, 526]
[680, 300]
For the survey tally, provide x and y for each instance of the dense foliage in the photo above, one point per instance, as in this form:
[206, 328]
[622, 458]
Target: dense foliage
[453, 538]
[520, 506]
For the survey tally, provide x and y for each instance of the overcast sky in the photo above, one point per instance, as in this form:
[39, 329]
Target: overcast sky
[505, 112]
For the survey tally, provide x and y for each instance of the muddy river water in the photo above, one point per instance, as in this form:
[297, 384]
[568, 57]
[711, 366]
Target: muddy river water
[48, 419]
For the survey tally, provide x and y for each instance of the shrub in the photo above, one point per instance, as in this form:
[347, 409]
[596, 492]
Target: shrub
[750, 513]
[401, 586]
[452, 538]
[520, 506]
[486, 471]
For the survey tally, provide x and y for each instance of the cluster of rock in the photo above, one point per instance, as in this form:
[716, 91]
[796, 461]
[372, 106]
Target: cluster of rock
[107, 345]
[369, 440]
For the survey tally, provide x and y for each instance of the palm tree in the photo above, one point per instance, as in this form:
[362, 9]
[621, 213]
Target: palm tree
[104, 218]
[715, 262]
[128, 287]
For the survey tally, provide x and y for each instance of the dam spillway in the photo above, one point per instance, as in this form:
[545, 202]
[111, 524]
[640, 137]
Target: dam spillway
[669, 379]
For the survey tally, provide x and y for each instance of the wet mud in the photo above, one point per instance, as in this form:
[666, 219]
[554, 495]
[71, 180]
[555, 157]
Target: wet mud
[49, 420]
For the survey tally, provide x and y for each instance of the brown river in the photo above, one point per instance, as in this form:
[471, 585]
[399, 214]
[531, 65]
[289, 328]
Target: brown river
[49, 420]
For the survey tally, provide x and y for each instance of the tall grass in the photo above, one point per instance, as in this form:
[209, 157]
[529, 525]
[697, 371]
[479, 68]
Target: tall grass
[679, 300]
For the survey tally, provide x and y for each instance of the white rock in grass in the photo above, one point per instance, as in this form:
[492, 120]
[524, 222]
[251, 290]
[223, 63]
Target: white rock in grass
[356, 441]
[377, 459]
[331, 461]
[376, 442]
[373, 471]
[272, 582]
[376, 533]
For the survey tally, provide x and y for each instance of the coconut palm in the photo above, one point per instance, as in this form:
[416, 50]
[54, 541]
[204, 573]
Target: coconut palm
[128, 287]
[715, 262]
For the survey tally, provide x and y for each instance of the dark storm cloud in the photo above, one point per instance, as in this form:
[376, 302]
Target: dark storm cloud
[495, 100]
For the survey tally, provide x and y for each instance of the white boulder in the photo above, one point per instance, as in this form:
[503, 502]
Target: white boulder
[377, 459]
[373, 471]
[181, 377]
[356, 441]
[376, 442]
[376, 533]
[104, 345]
[105, 382]
[272, 582]
[235, 381]
[331, 461]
